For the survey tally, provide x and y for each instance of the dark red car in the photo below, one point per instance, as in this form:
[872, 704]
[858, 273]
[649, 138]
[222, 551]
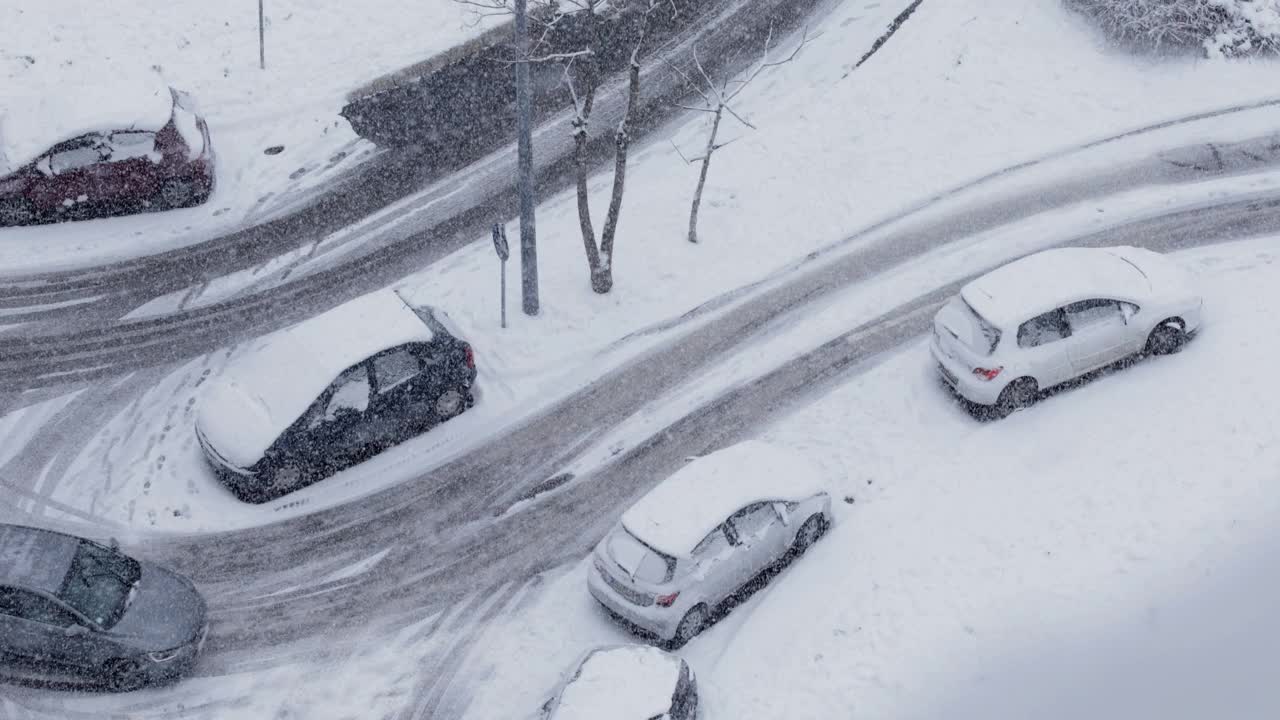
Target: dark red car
[154, 160]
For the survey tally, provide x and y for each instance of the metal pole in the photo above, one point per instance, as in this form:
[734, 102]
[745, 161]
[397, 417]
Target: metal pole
[262, 37]
[504, 293]
[524, 157]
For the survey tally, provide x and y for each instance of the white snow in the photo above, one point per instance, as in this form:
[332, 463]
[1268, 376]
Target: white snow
[677, 514]
[33, 119]
[623, 682]
[1052, 278]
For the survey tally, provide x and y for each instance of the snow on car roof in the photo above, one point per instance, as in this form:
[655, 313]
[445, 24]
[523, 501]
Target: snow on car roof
[677, 514]
[626, 682]
[55, 106]
[1040, 282]
[287, 370]
[33, 558]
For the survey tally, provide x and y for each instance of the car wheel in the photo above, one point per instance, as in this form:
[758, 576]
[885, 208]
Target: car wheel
[1168, 337]
[285, 478]
[692, 624]
[177, 193]
[1019, 394]
[16, 211]
[450, 403]
[813, 529]
[125, 675]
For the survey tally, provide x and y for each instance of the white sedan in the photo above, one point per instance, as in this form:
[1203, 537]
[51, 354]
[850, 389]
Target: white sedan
[702, 534]
[1054, 316]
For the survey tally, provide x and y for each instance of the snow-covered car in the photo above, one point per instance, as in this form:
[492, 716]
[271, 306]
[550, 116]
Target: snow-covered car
[74, 151]
[699, 536]
[332, 391]
[625, 682]
[1056, 315]
[75, 608]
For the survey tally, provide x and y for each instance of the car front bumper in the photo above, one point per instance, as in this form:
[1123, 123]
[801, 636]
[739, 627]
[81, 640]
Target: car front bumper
[661, 621]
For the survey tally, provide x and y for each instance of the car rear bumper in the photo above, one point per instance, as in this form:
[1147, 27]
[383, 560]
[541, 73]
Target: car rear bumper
[654, 619]
[962, 380]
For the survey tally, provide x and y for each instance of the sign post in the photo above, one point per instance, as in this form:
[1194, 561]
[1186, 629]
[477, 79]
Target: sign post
[262, 36]
[504, 252]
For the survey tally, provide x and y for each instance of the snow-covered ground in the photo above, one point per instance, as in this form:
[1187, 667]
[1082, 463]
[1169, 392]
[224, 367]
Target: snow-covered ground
[1000, 565]
[315, 53]
[143, 469]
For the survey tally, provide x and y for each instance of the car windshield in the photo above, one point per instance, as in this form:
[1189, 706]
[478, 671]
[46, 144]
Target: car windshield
[100, 583]
[638, 559]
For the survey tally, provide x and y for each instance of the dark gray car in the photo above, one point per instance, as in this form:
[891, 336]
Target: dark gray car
[70, 606]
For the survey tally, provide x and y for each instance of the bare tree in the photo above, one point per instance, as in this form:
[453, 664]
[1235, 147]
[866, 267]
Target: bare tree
[717, 98]
[583, 76]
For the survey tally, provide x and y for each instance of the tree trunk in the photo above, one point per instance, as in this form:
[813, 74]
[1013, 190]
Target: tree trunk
[702, 176]
[604, 282]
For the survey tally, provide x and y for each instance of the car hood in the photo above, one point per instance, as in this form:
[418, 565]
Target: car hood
[237, 425]
[167, 612]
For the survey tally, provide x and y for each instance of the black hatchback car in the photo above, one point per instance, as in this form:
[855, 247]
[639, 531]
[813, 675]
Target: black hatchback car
[332, 391]
[71, 607]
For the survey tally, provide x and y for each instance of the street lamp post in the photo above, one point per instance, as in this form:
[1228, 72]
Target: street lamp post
[524, 162]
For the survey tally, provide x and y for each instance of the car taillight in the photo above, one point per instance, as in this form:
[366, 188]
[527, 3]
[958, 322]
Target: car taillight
[471, 358]
[987, 374]
[666, 600]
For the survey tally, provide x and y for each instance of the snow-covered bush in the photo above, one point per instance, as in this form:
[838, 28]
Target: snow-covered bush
[1220, 27]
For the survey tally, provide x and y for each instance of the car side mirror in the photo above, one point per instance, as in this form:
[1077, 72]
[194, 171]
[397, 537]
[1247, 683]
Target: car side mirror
[75, 631]
[1128, 311]
[44, 167]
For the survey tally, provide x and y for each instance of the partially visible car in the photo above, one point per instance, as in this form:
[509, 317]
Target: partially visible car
[625, 682]
[75, 607]
[703, 533]
[70, 153]
[331, 392]
[1051, 317]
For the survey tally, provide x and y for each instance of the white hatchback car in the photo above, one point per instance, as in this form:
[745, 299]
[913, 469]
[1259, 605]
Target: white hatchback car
[1053, 316]
[705, 532]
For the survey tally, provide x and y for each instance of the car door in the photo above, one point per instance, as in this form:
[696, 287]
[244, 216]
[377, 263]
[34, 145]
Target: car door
[1098, 332]
[402, 396]
[19, 637]
[40, 626]
[337, 431]
[1042, 354]
[72, 179]
[761, 536]
[717, 566]
[130, 171]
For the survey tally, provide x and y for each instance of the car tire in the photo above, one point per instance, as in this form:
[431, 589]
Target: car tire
[16, 211]
[177, 193]
[125, 675]
[1017, 395]
[809, 533]
[690, 625]
[284, 479]
[1167, 338]
[449, 404]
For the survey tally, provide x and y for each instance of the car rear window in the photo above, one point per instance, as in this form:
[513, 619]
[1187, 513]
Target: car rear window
[640, 561]
[975, 332]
